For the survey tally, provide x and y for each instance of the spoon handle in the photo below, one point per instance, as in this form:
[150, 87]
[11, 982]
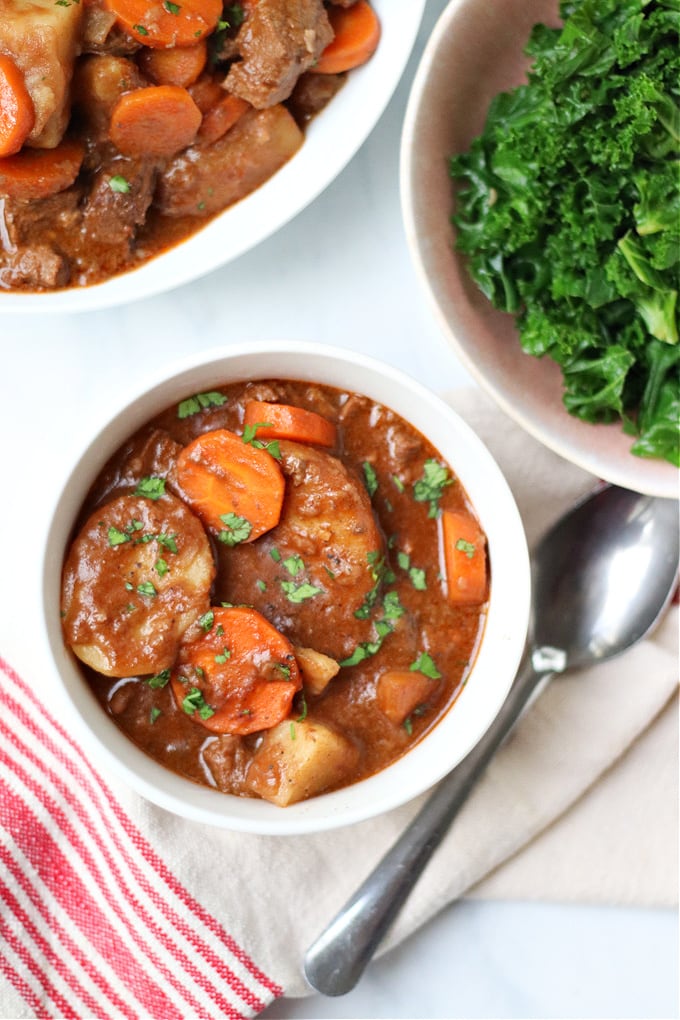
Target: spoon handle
[338, 957]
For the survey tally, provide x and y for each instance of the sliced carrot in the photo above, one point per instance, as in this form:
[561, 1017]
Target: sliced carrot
[400, 691]
[39, 173]
[240, 676]
[220, 117]
[17, 113]
[464, 557]
[283, 421]
[236, 489]
[162, 24]
[181, 65]
[357, 34]
[157, 121]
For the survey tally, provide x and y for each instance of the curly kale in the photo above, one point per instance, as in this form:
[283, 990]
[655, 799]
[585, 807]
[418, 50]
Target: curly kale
[568, 211]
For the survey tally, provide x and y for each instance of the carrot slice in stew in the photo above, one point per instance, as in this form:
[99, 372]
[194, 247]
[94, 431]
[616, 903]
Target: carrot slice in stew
[283, 421]
[39, 173]
[157, 121]
[165, 24]
[220, 117]
[17, 113]
[464, 557]
[357, 34]
[182, 65]
[240, 676]
[236, 489]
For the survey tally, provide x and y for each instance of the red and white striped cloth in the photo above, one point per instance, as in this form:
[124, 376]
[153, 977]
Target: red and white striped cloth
[92, 921]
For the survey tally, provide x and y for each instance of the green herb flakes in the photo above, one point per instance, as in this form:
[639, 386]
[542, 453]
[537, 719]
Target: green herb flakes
[425, 664]
[152, 487]
[147, 588]
[159, 680]
[237, 529]
[297, 593]
[195, 702]
[370, 478]
[430, 486]
[119, 184]
[153, 715]
[467, 547]
[206, 621]
[199, 402]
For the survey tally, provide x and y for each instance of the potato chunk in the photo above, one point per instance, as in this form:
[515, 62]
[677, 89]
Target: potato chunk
[297, 760]
[203, 180]
[43, 37]
[317, 669]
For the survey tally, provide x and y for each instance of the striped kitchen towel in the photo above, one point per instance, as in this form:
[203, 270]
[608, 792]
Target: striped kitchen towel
[94, 923]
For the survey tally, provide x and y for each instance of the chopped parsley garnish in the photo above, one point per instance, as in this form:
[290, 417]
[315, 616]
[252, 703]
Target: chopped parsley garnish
[206, 621]
[467, 547]
[418, 579]
[153, 715]
[159, 680]
[392, 607]
[117, 537]
[170, 7]
[223, 656]
[282, 668]
[398, 483]
[237, 529]
[303, 710]
[297, 593]
[370, 478]
[140, 29]
[404, 560]
[119, 184]
[192, 405]
[425, 664]
[275, 555]
[381, 574]
[430, 487]
[147, 588]
[294, 565]
[152, 487]
[249, 437]
[262, 585]
[408, 725]
[161, 567]
[195, 702]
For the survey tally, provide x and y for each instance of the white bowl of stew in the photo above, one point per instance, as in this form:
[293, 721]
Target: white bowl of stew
[69, 251]
[381, 587]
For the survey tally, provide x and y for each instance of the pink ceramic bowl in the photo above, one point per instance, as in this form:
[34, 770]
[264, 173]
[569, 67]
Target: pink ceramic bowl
[474, 52]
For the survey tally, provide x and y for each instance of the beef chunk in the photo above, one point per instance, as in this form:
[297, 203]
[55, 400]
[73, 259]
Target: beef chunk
[118, 201]
[101, 34]
[278, 41]
[312, 93]
[205, 180]
[42, 37]
[37, 267]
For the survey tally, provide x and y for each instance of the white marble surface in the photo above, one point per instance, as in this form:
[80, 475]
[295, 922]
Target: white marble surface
[339, 273]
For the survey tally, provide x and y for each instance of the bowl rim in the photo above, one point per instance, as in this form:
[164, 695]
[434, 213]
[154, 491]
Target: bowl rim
[499, 650]
[575, 442]
[358, 107]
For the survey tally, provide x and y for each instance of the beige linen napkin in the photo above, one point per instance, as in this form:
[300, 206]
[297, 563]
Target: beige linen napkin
[580, 803]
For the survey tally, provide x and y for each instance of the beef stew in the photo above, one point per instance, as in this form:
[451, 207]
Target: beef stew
[329, 617]
[126, 124]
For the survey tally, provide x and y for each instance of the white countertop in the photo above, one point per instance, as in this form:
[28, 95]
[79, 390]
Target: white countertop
[339, 273]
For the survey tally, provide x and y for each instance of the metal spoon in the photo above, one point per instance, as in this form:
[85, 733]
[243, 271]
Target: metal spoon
[602, 576]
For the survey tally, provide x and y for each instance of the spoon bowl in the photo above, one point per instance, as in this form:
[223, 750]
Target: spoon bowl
[602, 577]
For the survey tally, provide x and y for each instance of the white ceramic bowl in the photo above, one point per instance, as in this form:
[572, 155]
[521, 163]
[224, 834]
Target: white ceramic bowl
[504, 633]
[331, 140]
[474, 52]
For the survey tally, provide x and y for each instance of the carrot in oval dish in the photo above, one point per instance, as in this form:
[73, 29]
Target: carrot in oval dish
[157, 121]
[464, 558]
[17, 113]
[39, 173]
[284, 421]
[239, 676]
[357, 34]
[236, 489]
[163, 24]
